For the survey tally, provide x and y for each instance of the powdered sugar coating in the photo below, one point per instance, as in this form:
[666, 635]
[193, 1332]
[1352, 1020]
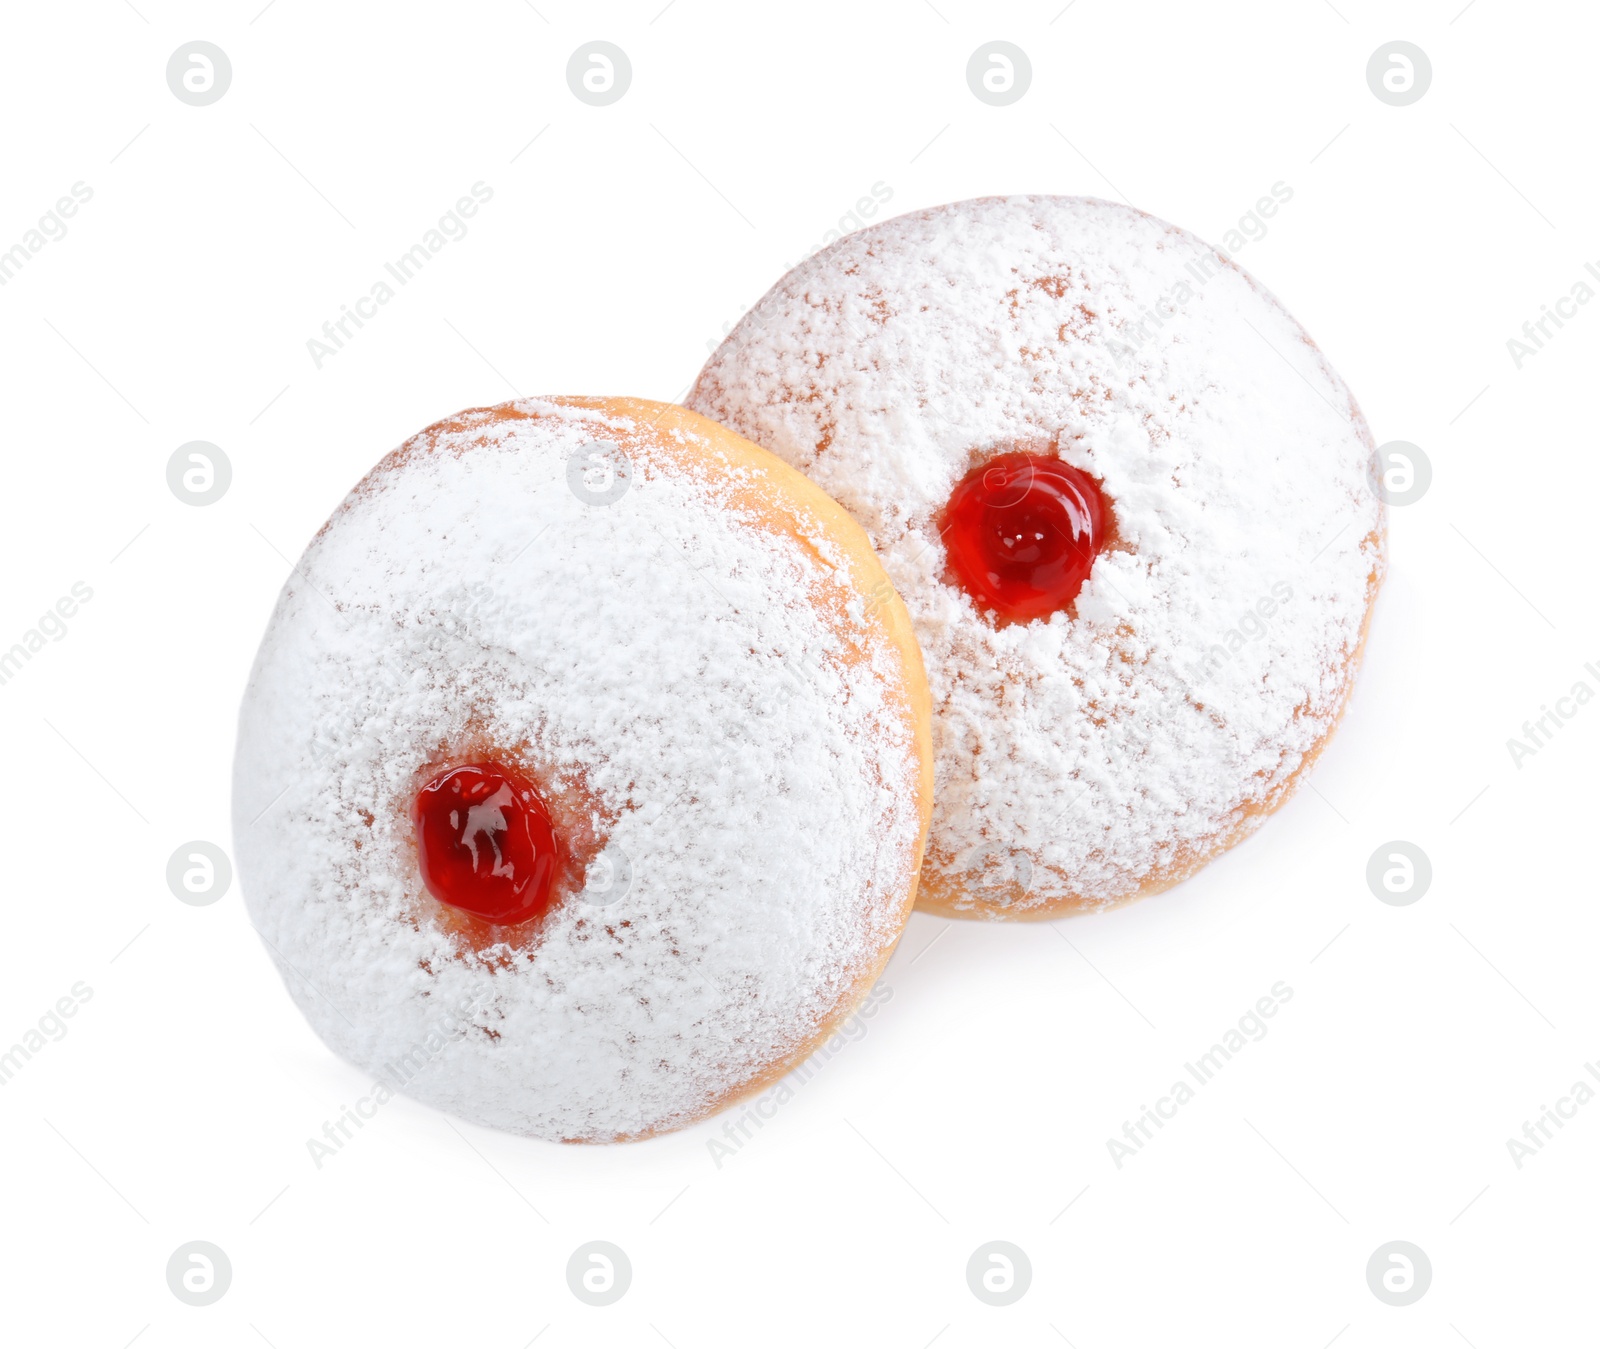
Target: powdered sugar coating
[712, 686]
[1098, 754]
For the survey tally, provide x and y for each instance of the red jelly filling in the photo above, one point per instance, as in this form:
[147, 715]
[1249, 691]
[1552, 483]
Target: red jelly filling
[485, 843]
[1023, 531]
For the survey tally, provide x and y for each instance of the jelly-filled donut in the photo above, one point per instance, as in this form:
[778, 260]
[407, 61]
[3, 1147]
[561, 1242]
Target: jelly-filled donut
[1127, 502]
[584, 770]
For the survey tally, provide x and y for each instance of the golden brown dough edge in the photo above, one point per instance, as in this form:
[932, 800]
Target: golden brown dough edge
[941, 893]
[784, 500]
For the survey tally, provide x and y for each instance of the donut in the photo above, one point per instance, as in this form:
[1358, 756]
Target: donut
[1128, 504]
[584, 770]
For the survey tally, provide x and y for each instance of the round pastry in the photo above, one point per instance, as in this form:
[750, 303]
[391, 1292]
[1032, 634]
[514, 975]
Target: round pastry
[1127, 502]
[584, 772]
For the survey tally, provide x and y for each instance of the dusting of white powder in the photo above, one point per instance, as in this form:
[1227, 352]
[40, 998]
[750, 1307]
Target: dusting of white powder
[1099, 749]
[665, 651]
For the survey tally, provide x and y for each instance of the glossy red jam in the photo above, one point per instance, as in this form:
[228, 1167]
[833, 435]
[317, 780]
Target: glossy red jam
[1022, 532]
[485, 843]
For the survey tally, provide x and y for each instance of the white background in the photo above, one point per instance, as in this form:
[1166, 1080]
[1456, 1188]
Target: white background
[978, 1107]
